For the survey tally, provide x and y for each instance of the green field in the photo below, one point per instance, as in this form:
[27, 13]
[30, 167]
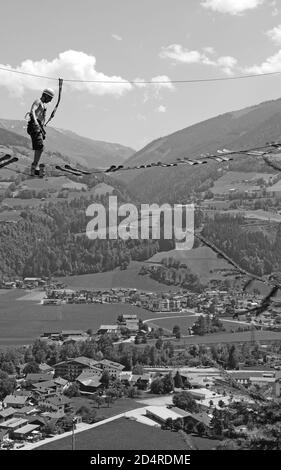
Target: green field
[21, 321]
[117, 278]
[225, 337]
[202, 261]
[168, 323]
[121, 434]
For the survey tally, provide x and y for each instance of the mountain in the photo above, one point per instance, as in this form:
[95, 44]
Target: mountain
[87, 152]
[11, 138]
[252, 126]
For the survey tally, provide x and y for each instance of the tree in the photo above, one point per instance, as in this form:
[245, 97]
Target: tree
[177, 331]
[132, 392]
[66, 423]
[138, 369]
[159, 343]
[233, 360]
[105, 379]
[216, 424]
[87, 414]
[31, 368]
[49, 428]
[168, 423]
[72, 391]
[178, 380]
[168, 383]
[200, 428]
[178, 424]
[7, 384]
[185, 401]
[157, 386]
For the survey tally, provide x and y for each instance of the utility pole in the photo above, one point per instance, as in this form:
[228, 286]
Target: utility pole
[74, 421]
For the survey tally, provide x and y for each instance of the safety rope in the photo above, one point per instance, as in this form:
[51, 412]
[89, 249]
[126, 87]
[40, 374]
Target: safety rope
[58, 102]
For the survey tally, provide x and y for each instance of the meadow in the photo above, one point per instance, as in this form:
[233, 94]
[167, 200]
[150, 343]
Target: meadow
[131, 436]
[21, 321]
[117, 278]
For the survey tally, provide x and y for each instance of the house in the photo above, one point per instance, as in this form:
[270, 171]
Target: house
[13, 424]
[6, 414]
[71, 368]
[88, 382]
[109, 329]
[113, 368]
[125, 377]
[25, 411]
[142, 381]
[34, 378]
[4, 436]
[160, 414]
[46, 369]
[25, 431]
[57, 403]
[57, 385]
[132, 325]
[15, 401]
[78, 334]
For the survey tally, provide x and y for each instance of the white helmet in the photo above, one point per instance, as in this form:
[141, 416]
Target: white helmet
[49, 92]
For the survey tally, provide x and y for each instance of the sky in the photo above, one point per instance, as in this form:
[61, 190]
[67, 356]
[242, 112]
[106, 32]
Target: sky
[134, 41]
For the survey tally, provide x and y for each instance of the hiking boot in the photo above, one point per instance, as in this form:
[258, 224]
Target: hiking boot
[33, 170]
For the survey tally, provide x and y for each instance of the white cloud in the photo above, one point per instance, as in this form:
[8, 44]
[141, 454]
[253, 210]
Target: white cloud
[69, 64]
[209, 50]
[232, 7]
[179, 54]
[275, 34]
[227, 64]
[162, 82]
[271, 64]
[161, 109]
[153, 90]
[117, 37]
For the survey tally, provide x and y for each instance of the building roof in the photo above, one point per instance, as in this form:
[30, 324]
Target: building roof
[38, 377]
[73, 332]
[45, 367]
[85, 361]
[7, 412]
[108, 363]
[13, 423]
[27, 429]
[164, 413]
[15, 399]
[87, 374]
[109, 327]
[27, 410]
[57, 401]
[3, 433]
[90, 381]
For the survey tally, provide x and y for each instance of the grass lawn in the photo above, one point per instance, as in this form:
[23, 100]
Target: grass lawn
[203, 443]
[121, 434]
[202, 261]
[119, 406]
[183, 321]
[21, 321]
[117, 278]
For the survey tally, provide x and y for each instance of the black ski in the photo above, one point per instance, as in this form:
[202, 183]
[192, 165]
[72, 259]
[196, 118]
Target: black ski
[8, 162]
[71, 172]
[68, 167]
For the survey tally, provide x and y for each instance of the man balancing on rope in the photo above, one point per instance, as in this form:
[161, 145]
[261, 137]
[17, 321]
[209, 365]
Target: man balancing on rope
[35, 128]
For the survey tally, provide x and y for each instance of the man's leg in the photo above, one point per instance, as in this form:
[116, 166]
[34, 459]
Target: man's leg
[37, 156]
